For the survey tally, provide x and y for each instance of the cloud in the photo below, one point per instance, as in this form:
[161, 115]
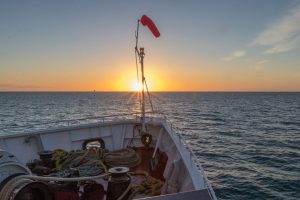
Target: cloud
[259, 64]
[235, 55]
[262, 62]
[284, 46]
[283, 35]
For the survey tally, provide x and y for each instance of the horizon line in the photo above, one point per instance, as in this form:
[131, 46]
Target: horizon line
[167, 91]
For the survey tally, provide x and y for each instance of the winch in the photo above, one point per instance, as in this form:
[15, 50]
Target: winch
[10, 167]
[119, 183]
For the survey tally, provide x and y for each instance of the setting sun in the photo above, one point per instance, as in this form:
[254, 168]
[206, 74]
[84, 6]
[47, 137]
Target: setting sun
[136, 87]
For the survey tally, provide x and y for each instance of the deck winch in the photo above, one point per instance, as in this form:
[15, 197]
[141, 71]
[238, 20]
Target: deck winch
[10, 167]
[119, 183]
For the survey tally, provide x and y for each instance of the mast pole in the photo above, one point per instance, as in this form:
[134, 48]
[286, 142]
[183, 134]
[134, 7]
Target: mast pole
[142, 55]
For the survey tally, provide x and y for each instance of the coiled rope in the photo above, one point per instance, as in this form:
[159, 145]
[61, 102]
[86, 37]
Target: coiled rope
[88, 162]
[151, 186]
[125, 158]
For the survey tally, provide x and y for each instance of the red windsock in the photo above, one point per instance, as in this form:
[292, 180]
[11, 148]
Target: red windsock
[146, 21]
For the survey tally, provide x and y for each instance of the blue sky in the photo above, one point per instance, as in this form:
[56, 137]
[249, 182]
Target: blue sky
[204, 45]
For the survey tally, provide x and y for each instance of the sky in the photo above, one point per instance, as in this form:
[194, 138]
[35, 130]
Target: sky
[205, 45]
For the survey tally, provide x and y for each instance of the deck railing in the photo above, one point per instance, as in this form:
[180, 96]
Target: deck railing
[77, 121]
[196, 160]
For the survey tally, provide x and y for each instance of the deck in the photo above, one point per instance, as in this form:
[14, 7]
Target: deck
[197, 194]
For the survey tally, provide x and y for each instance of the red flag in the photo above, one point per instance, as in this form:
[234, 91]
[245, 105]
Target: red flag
[146, 21]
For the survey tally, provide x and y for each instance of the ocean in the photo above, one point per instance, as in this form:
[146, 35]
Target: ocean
[248, 143]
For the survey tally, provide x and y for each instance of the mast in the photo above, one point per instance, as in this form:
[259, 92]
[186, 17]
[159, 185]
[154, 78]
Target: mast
[142, 55]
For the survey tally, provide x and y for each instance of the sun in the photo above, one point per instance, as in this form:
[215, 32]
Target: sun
[136, 87]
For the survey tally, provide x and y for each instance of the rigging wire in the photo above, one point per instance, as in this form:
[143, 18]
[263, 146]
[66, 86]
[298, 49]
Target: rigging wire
[136, 53]
[149, 96]
[137, 74]
[136, 65]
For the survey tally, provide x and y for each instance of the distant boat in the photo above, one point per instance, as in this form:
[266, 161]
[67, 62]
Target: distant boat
[124, 156]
